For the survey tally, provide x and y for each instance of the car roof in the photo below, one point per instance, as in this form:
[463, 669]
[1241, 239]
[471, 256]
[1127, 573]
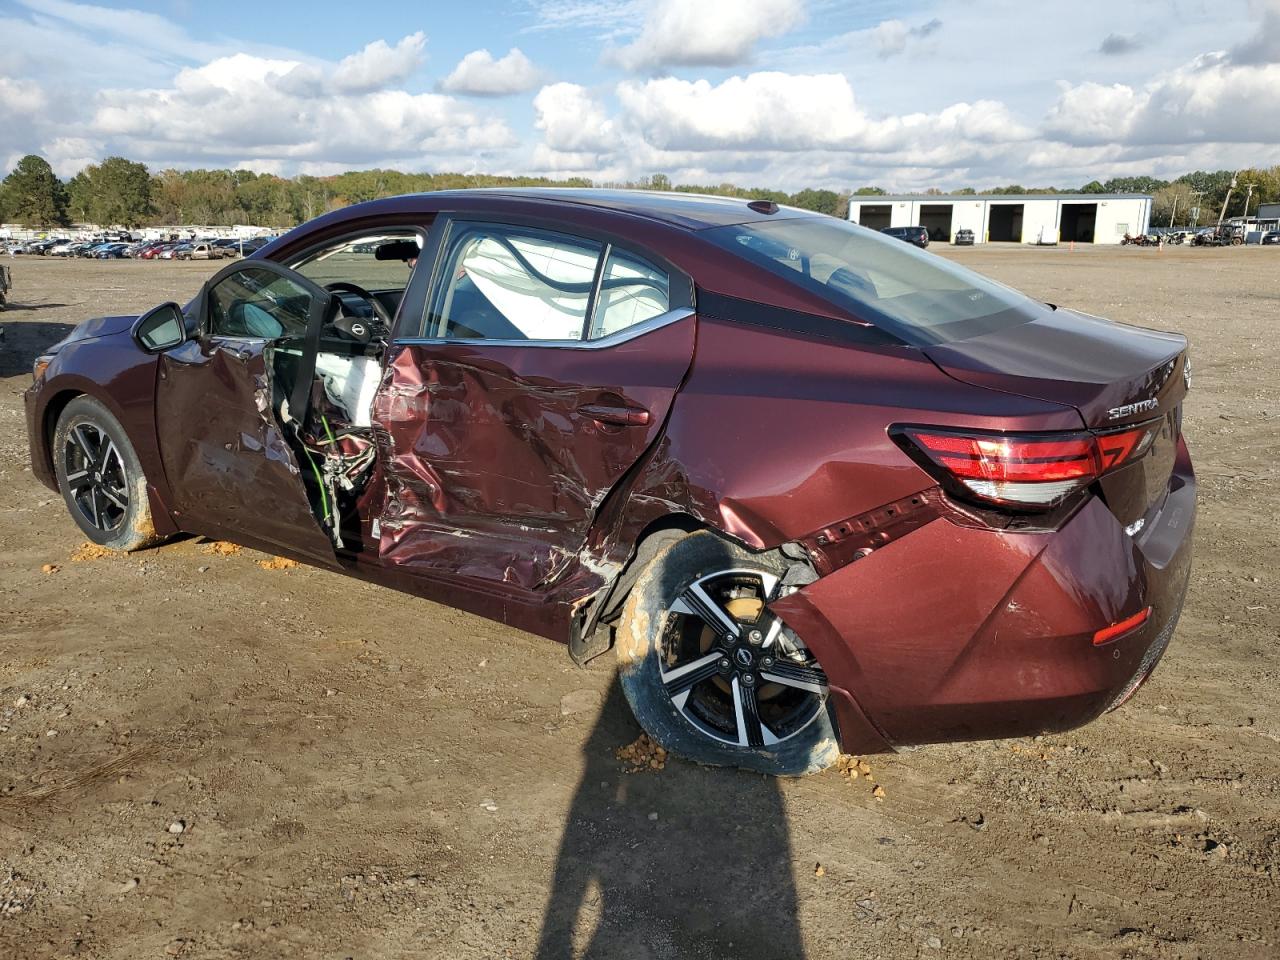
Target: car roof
[691, 211]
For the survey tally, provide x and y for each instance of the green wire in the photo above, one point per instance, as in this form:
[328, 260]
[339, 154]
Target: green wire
[324, 497]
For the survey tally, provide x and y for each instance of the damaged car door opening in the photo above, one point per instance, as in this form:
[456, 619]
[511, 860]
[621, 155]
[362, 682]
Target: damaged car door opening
[817, 489]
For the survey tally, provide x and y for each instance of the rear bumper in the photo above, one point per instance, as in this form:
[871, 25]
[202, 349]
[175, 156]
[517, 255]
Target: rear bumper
[962, 633]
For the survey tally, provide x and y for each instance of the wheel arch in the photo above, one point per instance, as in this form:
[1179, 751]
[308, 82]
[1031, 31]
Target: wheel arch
[49, 421]
[592, 631]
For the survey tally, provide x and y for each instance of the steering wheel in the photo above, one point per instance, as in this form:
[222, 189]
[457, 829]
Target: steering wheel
[379, 311]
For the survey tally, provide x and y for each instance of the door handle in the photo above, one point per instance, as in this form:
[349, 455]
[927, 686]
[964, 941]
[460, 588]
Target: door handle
[616, 414]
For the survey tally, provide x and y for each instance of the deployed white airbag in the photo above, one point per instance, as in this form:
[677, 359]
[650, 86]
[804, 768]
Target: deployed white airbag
[350, 382]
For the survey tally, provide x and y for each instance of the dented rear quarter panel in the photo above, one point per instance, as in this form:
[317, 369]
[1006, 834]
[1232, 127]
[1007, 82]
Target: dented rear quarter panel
[775, 436]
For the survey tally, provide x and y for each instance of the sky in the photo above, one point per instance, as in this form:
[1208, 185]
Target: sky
[774, 93]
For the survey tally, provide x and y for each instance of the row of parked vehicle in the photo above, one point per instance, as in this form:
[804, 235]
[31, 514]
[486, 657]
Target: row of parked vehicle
[117, 248]
[1227, 235]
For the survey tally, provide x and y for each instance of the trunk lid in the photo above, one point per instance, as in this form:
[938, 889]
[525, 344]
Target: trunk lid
[1115, 375]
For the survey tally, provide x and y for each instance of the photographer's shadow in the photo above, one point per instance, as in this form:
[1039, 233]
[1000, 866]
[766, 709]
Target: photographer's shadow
[709, 876]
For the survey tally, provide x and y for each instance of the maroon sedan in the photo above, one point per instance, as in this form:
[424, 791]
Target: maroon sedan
[818, 489]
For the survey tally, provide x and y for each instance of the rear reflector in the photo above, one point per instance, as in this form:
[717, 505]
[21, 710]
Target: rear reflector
[1023, 470]
[1107, 634]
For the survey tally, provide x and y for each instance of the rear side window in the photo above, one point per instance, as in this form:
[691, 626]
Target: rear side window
[631, 292]
[516, 284]
[920, 297]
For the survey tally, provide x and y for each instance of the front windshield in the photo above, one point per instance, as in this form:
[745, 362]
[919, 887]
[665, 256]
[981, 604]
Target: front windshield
[919, 296]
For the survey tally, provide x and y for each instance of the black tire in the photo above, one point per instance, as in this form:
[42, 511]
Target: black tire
[97, 471]
[657, 625]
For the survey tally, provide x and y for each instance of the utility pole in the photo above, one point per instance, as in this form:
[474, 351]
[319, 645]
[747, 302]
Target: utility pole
[1227, 200]
[1195, 208]
[1247, 197]
[1174, 211]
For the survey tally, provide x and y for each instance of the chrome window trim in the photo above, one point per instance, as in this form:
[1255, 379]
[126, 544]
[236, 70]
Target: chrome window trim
[622, 336]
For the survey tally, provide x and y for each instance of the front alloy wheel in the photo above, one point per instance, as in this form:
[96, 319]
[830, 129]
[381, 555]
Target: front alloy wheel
[711, 673]
[100, 477]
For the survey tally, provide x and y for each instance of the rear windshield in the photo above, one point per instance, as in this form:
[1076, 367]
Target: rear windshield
[921, 297]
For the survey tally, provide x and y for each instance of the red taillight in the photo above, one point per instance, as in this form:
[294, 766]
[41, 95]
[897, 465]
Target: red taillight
[1023, 470]
[1107, 634]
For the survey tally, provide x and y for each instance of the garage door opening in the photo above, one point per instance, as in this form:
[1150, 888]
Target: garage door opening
[1079, 221]
[1005, 225]
[876, 216]
[936, 218]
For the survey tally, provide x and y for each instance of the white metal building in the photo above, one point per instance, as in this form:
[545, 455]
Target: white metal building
[1012, 218]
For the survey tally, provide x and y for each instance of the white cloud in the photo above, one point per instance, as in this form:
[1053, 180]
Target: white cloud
[245, 107]
[572, 120]
[378, 65]
[720, 33]
[792, 113]
[892, 36]
[1210, 100]
[480, 75]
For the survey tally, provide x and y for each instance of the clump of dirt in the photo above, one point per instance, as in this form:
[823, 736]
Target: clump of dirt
[642, 754]
[89, 551]
[278, 563]
[221, 548]
[49, 568]
[851, 768]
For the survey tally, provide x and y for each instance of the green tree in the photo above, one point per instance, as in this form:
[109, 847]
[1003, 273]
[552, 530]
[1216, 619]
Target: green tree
[823, 201]
[34, 196]
[1093, 186]
[1134, 185]
[119, 192]
[871, 192]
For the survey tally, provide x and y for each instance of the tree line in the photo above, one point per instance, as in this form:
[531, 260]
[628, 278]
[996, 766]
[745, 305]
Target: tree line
[122, 192]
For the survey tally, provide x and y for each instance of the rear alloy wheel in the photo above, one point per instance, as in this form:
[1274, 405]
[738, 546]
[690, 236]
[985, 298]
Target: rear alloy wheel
[100, 477]
[711, 674]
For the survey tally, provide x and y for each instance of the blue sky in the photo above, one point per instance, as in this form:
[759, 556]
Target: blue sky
[782, 93]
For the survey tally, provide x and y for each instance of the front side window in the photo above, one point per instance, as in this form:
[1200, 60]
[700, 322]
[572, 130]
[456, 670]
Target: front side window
[920, 297]
[258, 303]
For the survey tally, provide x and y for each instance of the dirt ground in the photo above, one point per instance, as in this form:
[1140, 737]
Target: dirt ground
[200, 757]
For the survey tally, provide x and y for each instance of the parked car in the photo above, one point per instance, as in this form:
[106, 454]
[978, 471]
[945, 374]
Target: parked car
[42, 247]
[174, 251]
[110, 251]
[151, 250]
[1270, 238]
[198, 251]
[887, 501]
[918, 236]
[254, 245]
[964, 237]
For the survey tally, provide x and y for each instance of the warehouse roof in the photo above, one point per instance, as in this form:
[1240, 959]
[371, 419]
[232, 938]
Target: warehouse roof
[958, 197]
